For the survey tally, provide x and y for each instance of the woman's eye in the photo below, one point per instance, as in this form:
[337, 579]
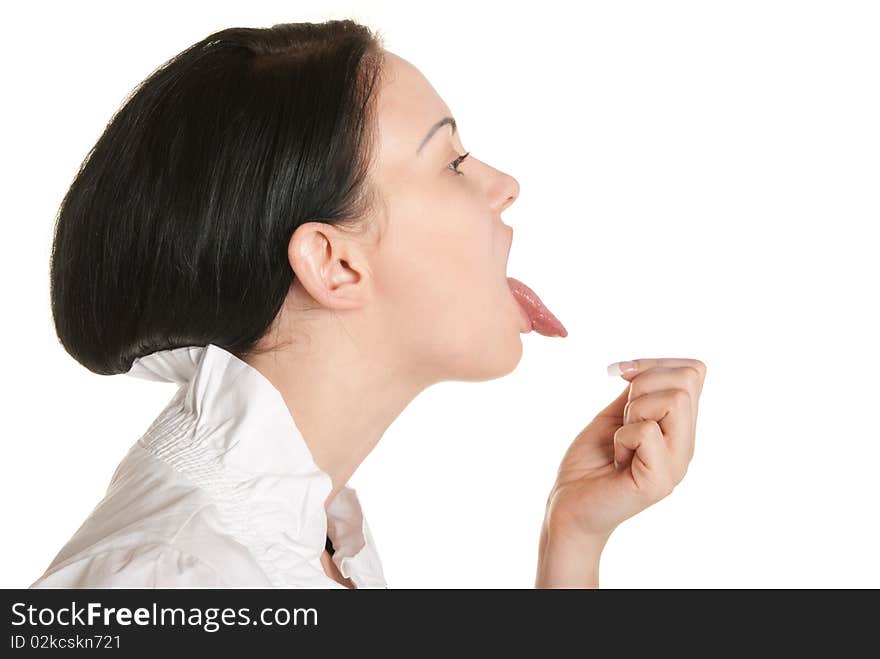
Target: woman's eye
[455, 163]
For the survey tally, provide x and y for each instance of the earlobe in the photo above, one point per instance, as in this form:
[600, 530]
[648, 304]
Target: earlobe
[319, 259]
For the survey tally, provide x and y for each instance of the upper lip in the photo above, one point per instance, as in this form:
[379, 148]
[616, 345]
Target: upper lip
[509, 244]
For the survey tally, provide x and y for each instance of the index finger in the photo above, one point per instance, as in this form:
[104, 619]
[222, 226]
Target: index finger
[642, 365]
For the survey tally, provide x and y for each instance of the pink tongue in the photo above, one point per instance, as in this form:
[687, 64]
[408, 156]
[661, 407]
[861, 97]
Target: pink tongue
[543, 321]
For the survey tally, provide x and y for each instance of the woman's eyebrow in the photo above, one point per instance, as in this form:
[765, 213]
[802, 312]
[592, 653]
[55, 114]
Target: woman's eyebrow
[435, 128]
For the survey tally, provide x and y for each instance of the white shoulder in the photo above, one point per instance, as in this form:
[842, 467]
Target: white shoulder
[138, 566]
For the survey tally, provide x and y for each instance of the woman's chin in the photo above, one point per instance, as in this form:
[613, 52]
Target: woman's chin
[496, 353]
[516, 356]
[510, 347]
[504, 357]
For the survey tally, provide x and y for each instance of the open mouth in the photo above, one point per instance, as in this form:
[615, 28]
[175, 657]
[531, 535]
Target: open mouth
[538, 316]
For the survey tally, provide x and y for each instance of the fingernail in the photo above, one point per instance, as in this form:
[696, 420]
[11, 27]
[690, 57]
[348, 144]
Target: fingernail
[622, 368]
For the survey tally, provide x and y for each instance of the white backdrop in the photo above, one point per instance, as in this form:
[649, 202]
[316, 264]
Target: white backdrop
[698, 179]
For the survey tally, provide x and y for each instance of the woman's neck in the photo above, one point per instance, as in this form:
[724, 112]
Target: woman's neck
[342, 395]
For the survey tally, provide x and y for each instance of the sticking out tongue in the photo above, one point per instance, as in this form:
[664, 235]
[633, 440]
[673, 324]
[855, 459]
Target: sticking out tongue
[543, 321]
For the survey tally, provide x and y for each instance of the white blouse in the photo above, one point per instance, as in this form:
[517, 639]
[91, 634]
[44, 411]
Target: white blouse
[221, 491]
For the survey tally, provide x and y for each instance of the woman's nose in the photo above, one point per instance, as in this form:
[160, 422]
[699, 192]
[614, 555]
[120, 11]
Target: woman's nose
[506, 192]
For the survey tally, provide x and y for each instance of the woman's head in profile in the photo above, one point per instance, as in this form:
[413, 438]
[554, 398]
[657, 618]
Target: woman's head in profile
[267, 186]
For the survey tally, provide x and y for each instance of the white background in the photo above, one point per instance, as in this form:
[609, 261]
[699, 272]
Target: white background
[698, 179]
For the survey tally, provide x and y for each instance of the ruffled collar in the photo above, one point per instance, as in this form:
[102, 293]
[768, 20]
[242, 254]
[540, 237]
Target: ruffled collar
[229, 429]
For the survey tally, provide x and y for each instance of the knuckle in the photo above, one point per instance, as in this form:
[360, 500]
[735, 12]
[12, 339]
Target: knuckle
[693, 375]
[681, 398]
[646, 430]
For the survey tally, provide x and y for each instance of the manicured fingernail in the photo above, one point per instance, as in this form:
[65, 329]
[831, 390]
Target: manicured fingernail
[622, 368]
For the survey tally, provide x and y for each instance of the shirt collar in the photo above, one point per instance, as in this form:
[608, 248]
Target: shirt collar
[229, 429]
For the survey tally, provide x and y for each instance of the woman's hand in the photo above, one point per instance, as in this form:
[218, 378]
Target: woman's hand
[630, 456]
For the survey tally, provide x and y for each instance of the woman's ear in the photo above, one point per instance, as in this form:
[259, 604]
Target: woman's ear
[325, 263]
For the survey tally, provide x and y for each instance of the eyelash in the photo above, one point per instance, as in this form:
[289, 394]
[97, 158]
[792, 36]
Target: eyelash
[455, 163]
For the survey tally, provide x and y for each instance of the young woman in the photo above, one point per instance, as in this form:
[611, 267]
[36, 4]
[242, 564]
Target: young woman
[285, 223]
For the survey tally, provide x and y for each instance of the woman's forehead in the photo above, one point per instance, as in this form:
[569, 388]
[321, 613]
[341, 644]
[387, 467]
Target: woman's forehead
[408, 107]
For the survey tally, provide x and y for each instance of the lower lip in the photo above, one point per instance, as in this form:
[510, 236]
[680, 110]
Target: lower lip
[526, 326]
